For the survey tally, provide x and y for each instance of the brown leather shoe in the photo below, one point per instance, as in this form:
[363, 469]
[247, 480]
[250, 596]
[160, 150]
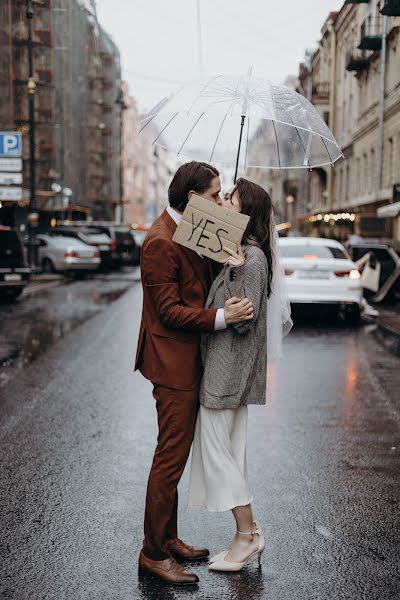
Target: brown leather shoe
[167, 570]
[182, 550]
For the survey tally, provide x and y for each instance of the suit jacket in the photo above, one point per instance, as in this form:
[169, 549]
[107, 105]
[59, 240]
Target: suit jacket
[235, 359]
[175, 284]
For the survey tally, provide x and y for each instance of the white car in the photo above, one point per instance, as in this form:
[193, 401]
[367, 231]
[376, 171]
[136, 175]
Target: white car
[60, 253]
[320, 271]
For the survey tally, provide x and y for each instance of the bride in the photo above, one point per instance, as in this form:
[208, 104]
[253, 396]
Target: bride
[235, 365]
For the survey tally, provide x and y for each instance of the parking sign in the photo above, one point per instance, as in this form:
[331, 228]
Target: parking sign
[10, 143]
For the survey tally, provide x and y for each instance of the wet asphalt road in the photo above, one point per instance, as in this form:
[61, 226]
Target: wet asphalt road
[77, 434]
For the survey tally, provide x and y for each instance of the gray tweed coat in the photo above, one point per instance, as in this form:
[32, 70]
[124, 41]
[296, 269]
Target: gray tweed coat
[235, 359]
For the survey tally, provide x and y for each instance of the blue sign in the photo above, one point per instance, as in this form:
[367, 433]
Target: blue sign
[10, 143]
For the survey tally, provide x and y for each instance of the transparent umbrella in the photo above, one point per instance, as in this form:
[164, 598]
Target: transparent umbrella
[242, 121]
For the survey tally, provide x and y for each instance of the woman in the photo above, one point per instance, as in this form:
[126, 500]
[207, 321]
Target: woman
[235, 364]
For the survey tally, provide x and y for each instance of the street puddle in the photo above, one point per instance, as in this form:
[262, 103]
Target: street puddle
[24, 339]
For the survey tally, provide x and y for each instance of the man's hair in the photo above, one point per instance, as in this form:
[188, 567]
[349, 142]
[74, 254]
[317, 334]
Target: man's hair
[196, 176]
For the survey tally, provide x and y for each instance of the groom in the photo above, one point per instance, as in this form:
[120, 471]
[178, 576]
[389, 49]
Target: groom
[175, 282]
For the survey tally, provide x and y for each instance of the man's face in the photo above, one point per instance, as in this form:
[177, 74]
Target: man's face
[212, 193]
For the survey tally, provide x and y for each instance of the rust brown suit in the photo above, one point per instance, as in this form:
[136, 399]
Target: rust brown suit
[175, 287]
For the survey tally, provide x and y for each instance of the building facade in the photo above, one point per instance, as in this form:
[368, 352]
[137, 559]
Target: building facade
[78, 109]
[353, 79]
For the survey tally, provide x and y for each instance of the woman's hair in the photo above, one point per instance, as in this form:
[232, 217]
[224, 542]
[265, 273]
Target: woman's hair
[196, 176]
[255, 202]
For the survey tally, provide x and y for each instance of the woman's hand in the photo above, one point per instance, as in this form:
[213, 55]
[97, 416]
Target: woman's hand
[236, 259]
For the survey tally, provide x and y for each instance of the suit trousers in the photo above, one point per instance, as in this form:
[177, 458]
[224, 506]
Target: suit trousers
[176, 412]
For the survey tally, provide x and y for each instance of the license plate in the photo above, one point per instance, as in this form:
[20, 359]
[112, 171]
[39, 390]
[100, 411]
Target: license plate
[313, 275]
[12, 277]
[104, 247]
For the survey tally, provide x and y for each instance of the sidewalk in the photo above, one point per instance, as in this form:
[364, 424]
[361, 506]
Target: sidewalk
[388, 323]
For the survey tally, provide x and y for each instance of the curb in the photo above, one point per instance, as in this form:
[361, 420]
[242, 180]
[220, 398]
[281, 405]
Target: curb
[389, 334]
[32, 289]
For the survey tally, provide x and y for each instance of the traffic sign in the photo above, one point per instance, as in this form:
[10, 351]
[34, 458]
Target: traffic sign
[10, 178]
[9, 165]
[11, 193]
[10, 143]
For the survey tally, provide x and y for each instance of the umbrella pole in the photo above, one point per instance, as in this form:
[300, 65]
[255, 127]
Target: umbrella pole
[240, 144]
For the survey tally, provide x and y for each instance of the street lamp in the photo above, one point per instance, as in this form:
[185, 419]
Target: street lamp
[66, 195]
[33, 216]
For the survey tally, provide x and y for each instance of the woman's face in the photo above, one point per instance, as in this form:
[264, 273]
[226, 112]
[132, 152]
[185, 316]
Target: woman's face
[231, 200]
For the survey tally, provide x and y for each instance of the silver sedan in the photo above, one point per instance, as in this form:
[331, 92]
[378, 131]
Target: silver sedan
[60, 253]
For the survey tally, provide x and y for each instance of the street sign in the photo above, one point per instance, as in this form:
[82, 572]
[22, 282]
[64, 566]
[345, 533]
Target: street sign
[10, 178]
[9, 165]
[11, 193]
[10, 143]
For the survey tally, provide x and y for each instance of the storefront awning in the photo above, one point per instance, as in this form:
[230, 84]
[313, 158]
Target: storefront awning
[390, 210]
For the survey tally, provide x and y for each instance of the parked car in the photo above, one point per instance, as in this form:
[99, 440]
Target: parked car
[123, 247]
[92, 236]
[387, 253]
[66, 254]
[124, 250]
[320, 271]
[14, 270]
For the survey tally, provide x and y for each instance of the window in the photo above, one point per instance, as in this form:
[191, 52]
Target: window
[364, 176]
[389, 169]
[371, 174]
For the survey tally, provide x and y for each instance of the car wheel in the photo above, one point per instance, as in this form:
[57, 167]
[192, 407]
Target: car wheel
[352, 316]
[47, 266]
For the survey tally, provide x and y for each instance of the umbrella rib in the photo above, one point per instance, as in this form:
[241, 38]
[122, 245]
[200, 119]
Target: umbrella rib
[298, 133]
[149, 121]
[247, 142]
[187, 137]
[305, 151]
[326, 148]
[165, 127]
[216, 139]
[277, 145]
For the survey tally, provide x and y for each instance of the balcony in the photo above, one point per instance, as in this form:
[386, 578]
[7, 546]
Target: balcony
[321, 89]
[371, 34]
[45, 112]
[391, 8]
[44, 76]
[356, 61]
[43, 37]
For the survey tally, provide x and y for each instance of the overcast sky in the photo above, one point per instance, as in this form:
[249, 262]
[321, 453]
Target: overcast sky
[158, 39]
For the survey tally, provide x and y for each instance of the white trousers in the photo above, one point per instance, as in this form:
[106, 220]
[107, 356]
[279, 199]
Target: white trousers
[218, 477]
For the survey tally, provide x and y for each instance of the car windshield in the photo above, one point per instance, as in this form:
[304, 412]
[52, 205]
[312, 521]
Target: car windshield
[93, 230]
[310, 251]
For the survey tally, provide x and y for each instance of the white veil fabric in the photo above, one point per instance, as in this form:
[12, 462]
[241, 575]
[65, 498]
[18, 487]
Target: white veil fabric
[279, 321]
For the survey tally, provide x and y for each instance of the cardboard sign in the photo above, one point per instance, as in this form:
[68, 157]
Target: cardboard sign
[207, 227]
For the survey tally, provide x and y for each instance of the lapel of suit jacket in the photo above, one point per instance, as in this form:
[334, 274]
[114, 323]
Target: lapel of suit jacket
[215, 285]
[195, 261]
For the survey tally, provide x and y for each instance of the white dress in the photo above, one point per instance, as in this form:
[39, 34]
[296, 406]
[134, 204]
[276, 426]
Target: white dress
[218, 477]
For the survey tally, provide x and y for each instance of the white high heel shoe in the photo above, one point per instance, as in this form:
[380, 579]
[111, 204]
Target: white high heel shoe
[222, 554]
[218, 562]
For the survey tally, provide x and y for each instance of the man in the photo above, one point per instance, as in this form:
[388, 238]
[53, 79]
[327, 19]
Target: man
[175, 282]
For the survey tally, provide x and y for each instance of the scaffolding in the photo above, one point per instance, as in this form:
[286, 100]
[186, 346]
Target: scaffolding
[77, 114]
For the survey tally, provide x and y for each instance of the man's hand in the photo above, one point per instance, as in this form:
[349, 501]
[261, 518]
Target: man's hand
[236, 310]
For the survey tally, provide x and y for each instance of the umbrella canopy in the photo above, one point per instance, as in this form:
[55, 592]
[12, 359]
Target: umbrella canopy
[244, 121]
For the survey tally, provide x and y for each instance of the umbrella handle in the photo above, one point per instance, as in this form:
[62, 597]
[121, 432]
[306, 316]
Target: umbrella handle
[240, 144]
